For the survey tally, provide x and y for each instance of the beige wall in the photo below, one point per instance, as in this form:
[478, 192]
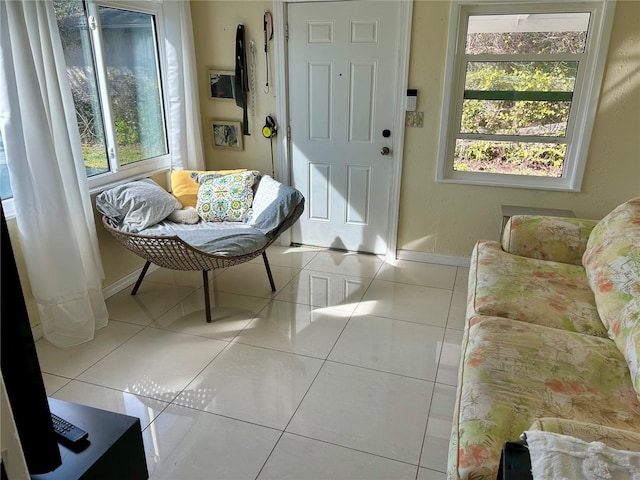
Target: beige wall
[447, 219]
[440, 219]
[214, 26]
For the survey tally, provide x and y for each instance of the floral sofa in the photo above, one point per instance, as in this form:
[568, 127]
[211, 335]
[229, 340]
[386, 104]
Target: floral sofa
[552, 338]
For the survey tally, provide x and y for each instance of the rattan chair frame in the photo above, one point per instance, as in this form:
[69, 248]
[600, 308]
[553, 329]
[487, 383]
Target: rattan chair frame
[174, 253]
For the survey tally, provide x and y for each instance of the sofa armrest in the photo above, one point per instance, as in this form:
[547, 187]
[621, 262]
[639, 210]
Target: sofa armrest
[557, 239]
[590, 432]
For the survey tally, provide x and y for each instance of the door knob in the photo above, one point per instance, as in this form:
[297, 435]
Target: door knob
[385, 151]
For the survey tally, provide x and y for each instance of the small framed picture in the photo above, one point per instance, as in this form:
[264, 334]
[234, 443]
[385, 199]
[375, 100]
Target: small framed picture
[226, 134]
[221, 84]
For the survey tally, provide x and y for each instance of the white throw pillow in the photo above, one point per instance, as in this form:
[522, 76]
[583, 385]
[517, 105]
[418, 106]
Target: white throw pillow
[184, 215]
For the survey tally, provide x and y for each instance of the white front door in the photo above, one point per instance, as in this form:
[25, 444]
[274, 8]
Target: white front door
[343, 69]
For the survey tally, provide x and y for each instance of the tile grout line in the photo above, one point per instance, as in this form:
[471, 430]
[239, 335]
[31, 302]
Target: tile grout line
[324, 361]
[426, 426]
[284, 430]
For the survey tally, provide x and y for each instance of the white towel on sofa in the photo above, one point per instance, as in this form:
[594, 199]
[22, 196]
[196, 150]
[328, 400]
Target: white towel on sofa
[559, 457]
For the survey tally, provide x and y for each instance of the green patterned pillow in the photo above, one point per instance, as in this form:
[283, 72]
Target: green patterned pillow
[226, 198]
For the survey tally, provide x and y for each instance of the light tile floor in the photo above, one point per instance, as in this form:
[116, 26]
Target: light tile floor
[348, 371]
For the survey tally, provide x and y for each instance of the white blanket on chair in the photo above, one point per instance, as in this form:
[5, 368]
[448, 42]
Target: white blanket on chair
[560, 457]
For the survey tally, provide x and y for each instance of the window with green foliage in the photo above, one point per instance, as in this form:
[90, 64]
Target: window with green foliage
[524, 81]
[113, 58]
[113, 67]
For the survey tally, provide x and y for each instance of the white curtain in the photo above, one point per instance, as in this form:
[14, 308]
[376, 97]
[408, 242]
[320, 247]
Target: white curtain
[185, 132]
[46, 169]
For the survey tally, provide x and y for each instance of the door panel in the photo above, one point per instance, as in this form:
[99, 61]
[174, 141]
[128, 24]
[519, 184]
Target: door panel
[342, 64]
[320, 101]
[358, 189]
[320, 191]
[362, 101]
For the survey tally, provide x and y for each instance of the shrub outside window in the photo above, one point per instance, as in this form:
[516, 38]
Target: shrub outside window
[114, 61]
[524, 83]
[113, 66]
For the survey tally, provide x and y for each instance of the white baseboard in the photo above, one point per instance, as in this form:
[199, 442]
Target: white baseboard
[433, 258]
[37, 332]
[125, 281]
[422, 257]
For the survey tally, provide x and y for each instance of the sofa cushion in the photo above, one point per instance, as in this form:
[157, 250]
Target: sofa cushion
[612, 262]
[531, 290]
[513, 372]
[627, 338]
[557, 239]
[226, 198]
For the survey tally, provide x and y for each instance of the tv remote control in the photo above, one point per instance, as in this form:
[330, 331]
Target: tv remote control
[67, 432]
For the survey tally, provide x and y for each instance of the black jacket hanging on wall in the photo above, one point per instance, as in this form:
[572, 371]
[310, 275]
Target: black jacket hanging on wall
[241, 82]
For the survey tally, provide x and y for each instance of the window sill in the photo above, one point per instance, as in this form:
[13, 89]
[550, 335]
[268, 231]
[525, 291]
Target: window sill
[508, 181]
[8, 207]
[115, 179]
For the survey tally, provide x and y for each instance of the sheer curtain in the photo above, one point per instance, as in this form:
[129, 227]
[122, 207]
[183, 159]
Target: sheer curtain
[185, 131]
[46, 169]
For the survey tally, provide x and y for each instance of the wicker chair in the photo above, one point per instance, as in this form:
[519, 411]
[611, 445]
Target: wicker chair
[174, 253]
[275, 208]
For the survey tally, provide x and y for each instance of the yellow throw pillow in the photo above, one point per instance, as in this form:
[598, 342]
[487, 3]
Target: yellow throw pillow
[185, 188]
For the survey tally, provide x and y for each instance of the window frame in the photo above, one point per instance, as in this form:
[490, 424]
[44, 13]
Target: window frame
[142, 168]
[583, 107]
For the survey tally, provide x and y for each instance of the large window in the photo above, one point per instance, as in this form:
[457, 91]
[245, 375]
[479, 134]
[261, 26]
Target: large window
[115, 64]
[523, 85]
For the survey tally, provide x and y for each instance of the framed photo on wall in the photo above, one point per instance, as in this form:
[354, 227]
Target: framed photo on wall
[226, 134]
[221, 84]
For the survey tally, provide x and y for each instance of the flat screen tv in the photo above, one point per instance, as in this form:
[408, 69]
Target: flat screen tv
[21, 369]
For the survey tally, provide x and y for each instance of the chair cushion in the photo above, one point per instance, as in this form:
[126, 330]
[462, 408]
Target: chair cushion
[136, 205]
[228, 239]
[226, 198]
[185, 188]
[275, 206]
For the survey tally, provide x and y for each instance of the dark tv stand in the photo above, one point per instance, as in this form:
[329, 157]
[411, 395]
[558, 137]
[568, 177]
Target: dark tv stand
[114, 449]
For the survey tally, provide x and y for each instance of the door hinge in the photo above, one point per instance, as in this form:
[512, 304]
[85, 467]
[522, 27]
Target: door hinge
[286, 32]
[288, 132]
